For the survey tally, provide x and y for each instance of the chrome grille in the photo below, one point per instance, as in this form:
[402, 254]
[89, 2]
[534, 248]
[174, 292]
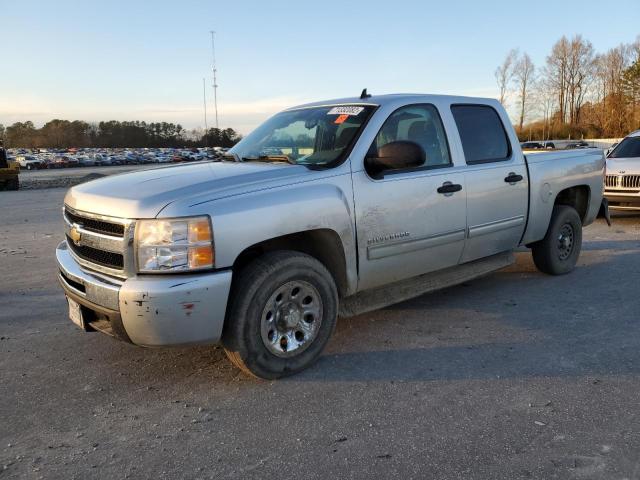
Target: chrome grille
[630, 181]
[101, 257]
[611, 181]
[100, 243]
[94, 225]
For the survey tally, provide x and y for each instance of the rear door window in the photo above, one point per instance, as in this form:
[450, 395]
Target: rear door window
[483, 136]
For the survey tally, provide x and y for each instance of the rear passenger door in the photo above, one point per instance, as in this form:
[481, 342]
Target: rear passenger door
[496, 181]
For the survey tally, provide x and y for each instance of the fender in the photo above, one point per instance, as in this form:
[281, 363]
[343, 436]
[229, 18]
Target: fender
[244, 220]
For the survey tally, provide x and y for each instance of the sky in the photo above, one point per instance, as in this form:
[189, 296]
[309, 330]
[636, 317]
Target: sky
[145, 60]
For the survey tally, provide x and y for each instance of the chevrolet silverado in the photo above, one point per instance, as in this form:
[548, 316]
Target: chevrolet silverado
[328, 209]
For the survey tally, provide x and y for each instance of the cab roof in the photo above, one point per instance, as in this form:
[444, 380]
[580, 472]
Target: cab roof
[394, 98]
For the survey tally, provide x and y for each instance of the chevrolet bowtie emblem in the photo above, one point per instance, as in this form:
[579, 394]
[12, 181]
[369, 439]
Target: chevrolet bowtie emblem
[75, 235]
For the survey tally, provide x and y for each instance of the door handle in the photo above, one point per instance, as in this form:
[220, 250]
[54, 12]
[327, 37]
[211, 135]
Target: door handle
[449, 188]
[513, 178]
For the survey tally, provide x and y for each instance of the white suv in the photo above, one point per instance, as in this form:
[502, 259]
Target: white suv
[622, 184]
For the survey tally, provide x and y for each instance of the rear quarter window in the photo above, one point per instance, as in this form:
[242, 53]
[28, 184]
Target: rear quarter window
[482, 133]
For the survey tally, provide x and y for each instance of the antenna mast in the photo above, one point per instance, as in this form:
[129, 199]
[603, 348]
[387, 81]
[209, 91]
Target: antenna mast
[215, 71]
[204, 101]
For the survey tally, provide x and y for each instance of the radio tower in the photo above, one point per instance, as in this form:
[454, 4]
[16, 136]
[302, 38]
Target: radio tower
[215, 71]
[204, 101]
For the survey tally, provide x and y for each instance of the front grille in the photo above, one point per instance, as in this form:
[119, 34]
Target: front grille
[630, 181]
[100, 257]
[611, 181]
[94, 225]
[622, 181]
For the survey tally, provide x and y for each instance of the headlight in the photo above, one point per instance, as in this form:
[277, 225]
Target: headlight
[174, 245]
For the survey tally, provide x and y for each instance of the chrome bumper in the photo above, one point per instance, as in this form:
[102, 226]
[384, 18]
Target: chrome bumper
[149, 310]
[623, 200]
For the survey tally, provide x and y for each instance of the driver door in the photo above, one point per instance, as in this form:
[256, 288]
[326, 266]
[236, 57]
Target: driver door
[410, 221]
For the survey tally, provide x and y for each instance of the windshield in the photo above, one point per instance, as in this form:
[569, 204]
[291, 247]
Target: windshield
[320, 136]
[627, 148]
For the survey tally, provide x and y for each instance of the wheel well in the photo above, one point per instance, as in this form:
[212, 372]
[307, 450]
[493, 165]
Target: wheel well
[324, 245]
[577, 197]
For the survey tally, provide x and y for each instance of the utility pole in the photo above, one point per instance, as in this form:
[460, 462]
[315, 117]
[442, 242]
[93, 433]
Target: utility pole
[215, 71]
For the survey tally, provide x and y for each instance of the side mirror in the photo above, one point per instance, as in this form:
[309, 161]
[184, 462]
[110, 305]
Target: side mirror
[398, 155]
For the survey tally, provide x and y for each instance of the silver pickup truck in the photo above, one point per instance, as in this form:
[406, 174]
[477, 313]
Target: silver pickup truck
[329, 209]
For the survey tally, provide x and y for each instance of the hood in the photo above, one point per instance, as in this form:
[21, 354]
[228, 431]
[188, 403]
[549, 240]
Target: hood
[144, 193]
[623, 166]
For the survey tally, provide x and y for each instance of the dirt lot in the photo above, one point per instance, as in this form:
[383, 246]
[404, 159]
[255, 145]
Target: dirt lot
[516, 375]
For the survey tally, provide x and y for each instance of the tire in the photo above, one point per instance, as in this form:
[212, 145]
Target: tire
[557, 253]
[10, 184]
[265, 308]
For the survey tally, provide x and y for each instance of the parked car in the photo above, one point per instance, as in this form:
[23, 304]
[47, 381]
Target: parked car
[622, 184]
[131, 158]
[59, 161]
[29, 162]
[378, 200]
[532, 146]
[85, 161]
[102, 159]
[147, 157]
[581, 144]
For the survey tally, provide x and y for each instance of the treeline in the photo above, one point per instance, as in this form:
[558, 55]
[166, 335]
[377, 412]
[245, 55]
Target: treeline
[577, 93]
[77, 133]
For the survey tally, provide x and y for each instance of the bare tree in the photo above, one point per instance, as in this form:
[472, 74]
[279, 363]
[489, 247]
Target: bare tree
[523, 76]
[579, 73]
[556, 72]
[609, 69]
[504, 74]
[576, 92]
[543, 97]
[631, 85]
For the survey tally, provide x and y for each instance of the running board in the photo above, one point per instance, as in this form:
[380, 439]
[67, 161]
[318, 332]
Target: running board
[380, 297]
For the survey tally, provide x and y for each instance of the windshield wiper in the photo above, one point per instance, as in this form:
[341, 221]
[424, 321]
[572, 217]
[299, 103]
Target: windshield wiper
[270, 158]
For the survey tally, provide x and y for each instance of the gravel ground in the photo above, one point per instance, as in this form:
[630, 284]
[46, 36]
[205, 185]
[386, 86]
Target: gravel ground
[515, 375]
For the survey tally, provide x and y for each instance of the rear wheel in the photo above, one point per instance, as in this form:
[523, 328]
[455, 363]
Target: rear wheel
[557, 253]
[283, 312]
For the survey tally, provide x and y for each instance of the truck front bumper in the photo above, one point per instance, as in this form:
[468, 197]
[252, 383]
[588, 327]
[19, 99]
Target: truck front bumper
[623, 200]
[148, 310]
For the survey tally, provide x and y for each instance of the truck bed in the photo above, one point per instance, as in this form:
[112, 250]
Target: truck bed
[551, 173]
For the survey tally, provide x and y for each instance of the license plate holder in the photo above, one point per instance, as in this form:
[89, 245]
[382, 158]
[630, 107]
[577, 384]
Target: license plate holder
[75, 313]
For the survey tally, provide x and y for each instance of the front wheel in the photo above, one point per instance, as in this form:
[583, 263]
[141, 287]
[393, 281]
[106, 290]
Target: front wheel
[283, 311]
[557, 253]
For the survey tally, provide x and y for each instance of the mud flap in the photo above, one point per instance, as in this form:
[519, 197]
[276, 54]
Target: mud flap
[604, 211]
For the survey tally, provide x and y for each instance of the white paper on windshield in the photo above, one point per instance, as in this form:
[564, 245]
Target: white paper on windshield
[345, 110]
